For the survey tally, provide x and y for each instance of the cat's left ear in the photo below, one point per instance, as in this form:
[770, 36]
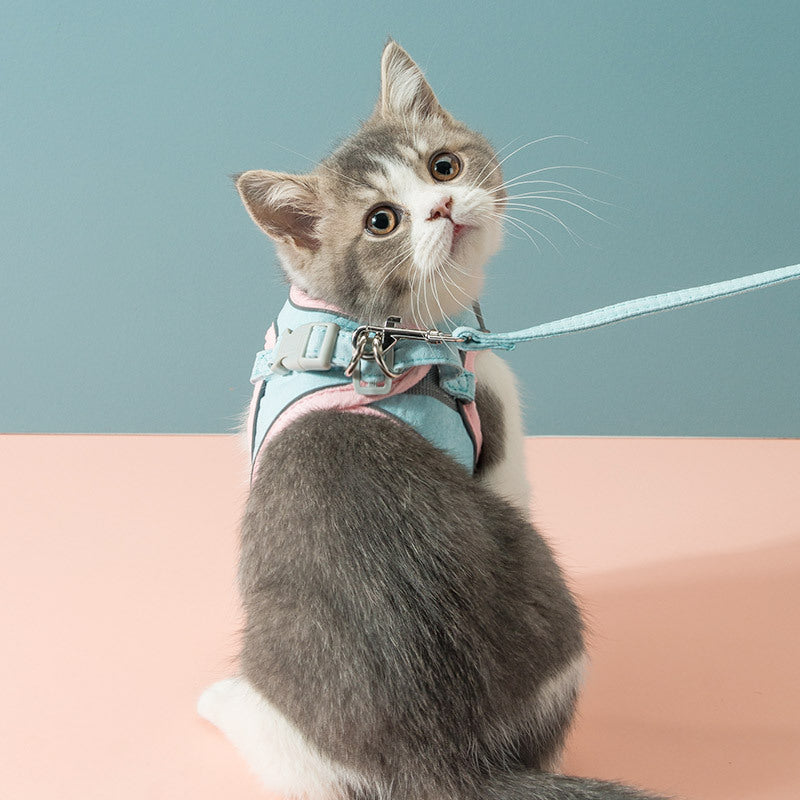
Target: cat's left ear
[285, 207]
[404, 90]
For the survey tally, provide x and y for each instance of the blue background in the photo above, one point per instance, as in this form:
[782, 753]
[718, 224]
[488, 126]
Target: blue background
[134, 289]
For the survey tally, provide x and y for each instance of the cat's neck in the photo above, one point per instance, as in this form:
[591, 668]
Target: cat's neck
[303, 300]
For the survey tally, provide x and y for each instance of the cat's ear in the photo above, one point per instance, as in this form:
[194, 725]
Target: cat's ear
[285, 206]
[404, 90]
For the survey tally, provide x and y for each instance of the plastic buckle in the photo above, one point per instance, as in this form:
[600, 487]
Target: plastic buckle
[290, 351]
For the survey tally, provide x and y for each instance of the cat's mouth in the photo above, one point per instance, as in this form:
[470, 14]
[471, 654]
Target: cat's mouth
[459, 229]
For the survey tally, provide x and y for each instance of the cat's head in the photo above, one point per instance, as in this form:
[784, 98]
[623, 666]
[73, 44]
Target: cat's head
[400, 219]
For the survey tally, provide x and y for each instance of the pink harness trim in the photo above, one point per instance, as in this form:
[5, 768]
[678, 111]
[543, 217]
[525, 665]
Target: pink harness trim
[300, 298]
[470, 409]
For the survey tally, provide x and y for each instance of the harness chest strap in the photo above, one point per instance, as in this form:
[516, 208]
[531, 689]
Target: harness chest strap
[303, 368]
[320, 345]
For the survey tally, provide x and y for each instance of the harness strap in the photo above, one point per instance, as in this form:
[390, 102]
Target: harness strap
[479, 340]
[321, 346]
[302, 368]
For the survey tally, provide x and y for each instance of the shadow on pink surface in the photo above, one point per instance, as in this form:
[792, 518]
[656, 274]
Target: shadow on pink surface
[693, 684]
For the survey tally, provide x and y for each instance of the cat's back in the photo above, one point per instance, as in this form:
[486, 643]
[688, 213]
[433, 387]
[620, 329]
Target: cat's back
[377, 573]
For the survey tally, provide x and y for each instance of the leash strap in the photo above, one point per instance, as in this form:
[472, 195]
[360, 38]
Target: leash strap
[474, 339]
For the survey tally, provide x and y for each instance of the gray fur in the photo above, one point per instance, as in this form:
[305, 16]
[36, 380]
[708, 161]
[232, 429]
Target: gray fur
[400, 622]
[493, 428]
[533, 786]
[408, 621]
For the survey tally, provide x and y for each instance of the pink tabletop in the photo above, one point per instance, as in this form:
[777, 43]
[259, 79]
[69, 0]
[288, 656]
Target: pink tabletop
[118, 605]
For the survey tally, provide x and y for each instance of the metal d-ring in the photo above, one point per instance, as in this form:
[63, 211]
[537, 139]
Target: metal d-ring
[377, 353]
[358, 351]
[368, 345]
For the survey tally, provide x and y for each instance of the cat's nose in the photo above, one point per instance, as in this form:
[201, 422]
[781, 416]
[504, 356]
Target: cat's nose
[442, 209]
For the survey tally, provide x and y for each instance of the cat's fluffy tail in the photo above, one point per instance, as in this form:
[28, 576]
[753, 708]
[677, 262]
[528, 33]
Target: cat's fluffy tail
[545, 786]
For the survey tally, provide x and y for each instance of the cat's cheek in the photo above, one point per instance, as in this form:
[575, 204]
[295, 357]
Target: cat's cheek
[476, 246]
[492, 241]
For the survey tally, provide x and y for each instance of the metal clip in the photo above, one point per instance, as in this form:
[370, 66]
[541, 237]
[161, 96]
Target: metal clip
[376, 343]
[390, 333]
[368, 347]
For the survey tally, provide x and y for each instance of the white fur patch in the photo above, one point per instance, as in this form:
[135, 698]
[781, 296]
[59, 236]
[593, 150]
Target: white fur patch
[560, 690]
[275, 750]
[446, 280]
[508, 477]
[402, 90]
[555, 697]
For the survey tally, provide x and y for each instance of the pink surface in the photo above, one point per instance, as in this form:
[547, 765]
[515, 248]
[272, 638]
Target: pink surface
[117, 606]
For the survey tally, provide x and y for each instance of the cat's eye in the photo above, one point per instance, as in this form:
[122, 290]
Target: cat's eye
[382, 220]
[444, 166]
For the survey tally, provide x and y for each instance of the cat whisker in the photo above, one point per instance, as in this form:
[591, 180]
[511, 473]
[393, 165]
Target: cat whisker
[558, 192]
[518, 224]
[522, 222]
[528, 144]
[427, 307]
[435, 321]
[458, 268]
[416, 311]
[497, 154]
[511, 183]
[572, 190]
[549, 215]
[392, 266]
[448, 281]
[421, 318]
[539, 171]
[543, 212]
[439, 273]
[450, 264]
[568, 202]
[293, 152]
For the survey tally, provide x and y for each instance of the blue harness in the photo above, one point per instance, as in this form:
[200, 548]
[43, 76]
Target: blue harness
[304, 364]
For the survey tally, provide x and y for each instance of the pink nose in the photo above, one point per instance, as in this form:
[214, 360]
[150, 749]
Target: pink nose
[442, 208]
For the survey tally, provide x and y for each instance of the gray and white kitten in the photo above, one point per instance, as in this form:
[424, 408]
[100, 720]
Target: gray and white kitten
[408, 633]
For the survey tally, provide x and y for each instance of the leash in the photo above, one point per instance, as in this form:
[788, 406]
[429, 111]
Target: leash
[371, 358]
[473, 339]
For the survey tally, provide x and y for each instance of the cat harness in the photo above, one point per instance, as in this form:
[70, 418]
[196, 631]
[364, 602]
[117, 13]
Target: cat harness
[315, 358]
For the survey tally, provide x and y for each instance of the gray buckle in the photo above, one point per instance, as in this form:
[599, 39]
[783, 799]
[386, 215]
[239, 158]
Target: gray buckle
[290, 352]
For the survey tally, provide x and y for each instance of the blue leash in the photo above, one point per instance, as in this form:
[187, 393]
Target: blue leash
[474, 339]
[319, 346]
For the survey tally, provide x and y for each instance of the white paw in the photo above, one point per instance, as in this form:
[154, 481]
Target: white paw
[276, 751]
[213, 701]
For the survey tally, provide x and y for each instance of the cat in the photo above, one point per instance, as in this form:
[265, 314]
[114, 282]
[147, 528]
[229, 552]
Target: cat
[408, 633]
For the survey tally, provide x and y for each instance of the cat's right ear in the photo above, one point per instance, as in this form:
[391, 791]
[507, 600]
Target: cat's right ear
[404, 90]
[285, 207]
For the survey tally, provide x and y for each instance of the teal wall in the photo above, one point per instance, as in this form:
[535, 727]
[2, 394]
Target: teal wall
[134, 290]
